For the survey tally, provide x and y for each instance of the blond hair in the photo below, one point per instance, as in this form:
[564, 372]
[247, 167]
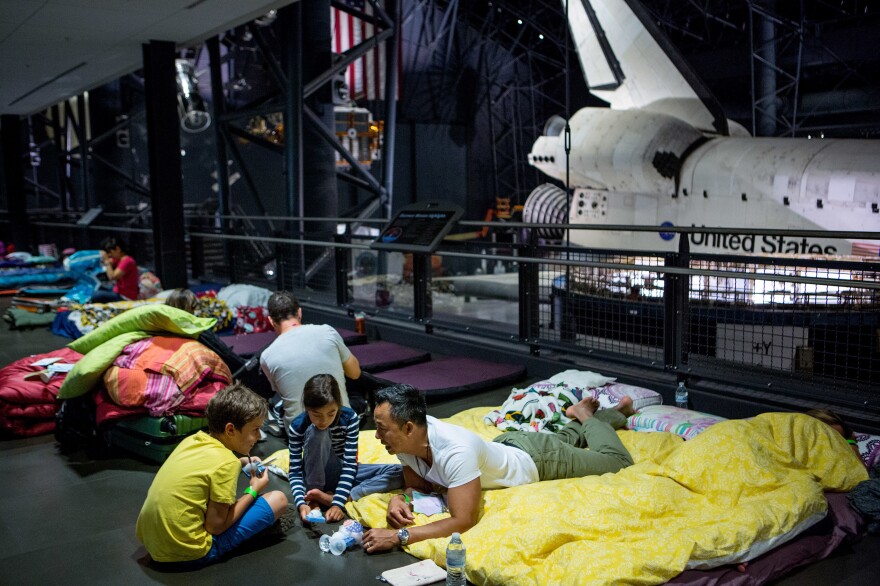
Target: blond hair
[183, 299]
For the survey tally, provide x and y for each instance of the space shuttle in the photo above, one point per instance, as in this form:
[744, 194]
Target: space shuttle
[664, 154]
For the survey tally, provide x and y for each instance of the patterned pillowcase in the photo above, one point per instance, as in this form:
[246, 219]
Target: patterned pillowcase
[251, 320]
[610, 395]
[869, 448]
[683, 422]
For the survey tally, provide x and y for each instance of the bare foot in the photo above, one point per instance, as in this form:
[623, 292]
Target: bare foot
[319, 496]
[625, 406]
[583, 410]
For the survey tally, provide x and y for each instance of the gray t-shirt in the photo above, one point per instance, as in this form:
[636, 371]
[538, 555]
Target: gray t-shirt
[299, 354]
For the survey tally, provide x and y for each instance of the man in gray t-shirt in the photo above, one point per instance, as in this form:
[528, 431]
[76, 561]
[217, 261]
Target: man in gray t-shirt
[300, 352]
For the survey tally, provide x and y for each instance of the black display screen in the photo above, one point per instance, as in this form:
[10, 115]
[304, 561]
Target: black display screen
[418, 230]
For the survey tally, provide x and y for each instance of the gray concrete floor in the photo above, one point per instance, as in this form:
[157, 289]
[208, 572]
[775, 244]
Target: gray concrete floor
[70, 518]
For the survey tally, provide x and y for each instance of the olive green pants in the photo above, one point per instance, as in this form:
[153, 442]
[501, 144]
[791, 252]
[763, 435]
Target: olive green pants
[562, 454]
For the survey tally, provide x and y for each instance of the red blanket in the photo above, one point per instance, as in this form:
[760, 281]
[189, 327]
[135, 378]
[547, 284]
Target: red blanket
[28, 407]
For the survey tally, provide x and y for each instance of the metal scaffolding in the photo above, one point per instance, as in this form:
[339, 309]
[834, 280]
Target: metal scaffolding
[783, 68]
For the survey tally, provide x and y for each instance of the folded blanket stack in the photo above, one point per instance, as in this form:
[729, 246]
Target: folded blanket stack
[28, 406]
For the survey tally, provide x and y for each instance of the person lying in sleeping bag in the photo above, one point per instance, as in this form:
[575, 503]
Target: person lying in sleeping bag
[438, 454]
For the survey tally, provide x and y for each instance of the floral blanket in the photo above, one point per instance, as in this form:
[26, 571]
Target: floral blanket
[541, 407]
[89, 316]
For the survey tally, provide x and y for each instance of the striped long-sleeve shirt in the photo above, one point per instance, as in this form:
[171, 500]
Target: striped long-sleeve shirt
[344, 439]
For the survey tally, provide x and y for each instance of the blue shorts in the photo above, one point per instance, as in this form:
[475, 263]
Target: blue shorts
[256, 519]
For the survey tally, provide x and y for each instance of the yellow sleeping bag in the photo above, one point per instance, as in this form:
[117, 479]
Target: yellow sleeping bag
[734, 492]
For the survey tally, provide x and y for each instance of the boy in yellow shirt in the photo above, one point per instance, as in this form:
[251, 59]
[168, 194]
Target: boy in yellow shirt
[191, 513]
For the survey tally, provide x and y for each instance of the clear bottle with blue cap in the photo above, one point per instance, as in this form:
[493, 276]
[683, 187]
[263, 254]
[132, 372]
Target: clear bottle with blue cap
[681, 396]
[349, 534]
[455, 561]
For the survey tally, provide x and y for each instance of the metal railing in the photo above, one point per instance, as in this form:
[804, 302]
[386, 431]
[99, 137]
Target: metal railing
[805, 327]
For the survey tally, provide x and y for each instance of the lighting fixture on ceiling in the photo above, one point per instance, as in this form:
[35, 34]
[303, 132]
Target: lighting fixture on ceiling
[194, 116]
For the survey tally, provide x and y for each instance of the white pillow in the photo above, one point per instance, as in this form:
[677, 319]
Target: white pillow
[238, 294]
[610, 395]
[581, 379]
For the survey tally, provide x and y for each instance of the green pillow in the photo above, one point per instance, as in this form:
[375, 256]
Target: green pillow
[154, 318]
[86, 373]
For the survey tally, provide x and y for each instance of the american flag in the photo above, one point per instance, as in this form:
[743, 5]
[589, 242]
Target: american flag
[866, 249]
[365, 76]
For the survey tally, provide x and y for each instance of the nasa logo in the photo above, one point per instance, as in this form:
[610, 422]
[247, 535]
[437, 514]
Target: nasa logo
[667, 235]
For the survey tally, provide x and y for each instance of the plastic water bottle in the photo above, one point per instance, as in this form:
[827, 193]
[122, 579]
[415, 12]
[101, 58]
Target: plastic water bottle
[455, 554]
[349, 534]
[681, 396]
[336, 543]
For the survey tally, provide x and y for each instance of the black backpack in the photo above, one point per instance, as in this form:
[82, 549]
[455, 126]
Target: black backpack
[75, 424]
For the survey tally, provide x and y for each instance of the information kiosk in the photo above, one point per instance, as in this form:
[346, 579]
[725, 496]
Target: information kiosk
[418, 229]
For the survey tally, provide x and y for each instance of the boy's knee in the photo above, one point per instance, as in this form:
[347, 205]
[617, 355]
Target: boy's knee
[278, 501]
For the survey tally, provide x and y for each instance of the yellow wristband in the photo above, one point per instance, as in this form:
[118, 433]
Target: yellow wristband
[250, 490]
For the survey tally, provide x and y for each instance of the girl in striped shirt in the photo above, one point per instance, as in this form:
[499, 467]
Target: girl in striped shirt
[323, 441]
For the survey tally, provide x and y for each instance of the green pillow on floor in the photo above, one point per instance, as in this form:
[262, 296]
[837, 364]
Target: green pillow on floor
[156, 318]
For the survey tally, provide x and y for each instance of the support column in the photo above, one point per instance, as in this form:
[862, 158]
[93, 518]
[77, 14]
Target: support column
[768, 99]
[320, 195]
[224, 204]
[11, 153]
[290, 18]
[422, 302]
[107, 158]
[390, 130]
[60, 161]
[82, 134]
[163, 145]
[529, 327]
[676, 307]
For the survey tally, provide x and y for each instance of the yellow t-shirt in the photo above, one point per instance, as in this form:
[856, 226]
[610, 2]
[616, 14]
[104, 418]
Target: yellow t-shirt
[171, 524]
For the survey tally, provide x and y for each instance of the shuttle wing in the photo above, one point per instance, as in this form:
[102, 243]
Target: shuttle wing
[628, 62]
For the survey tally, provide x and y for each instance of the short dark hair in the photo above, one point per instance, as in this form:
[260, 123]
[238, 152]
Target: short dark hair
[282, 305]
[321, 390]
[236, 404]
[183, 299]
[112, 242]
[407, 404]
[829, 417]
